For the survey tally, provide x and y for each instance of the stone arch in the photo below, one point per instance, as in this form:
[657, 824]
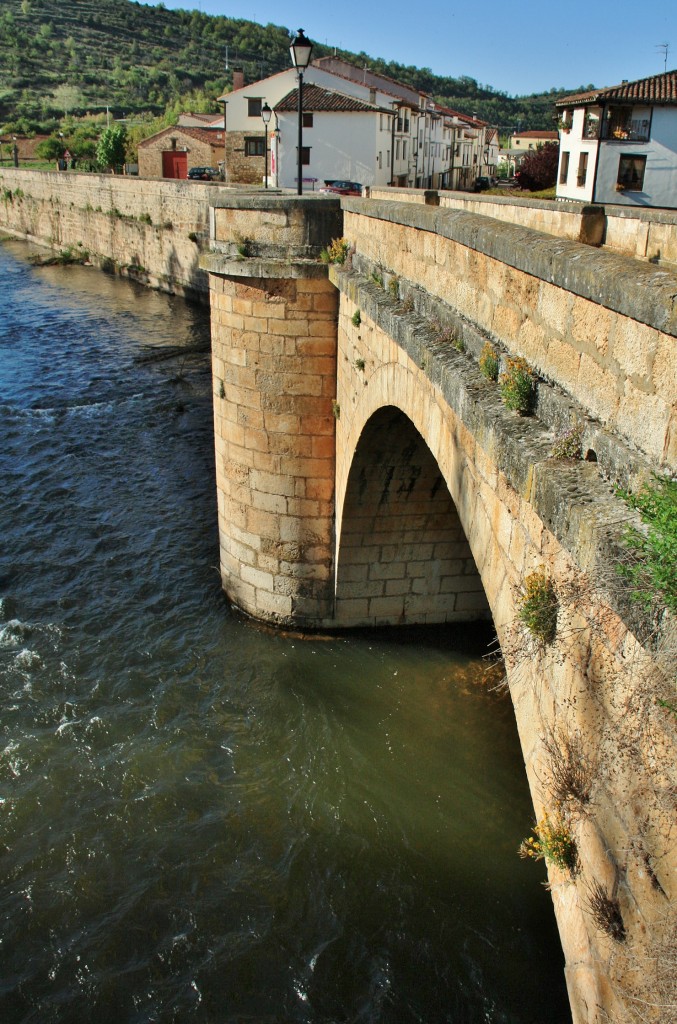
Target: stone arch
[402, 555]
[410, 429]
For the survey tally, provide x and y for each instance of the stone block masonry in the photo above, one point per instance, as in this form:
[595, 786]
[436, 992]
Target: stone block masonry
[151, 231]
[274, 376]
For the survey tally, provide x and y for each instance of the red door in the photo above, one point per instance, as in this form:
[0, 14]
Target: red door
[174, 164]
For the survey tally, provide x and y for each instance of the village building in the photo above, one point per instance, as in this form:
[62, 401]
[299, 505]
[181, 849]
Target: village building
[619, 144]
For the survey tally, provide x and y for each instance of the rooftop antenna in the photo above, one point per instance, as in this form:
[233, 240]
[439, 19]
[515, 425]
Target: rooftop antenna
[665, 47]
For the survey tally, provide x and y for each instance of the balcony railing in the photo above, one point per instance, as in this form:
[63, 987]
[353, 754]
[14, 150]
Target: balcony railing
[626, 131]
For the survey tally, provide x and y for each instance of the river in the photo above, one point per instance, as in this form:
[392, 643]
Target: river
[201, 820]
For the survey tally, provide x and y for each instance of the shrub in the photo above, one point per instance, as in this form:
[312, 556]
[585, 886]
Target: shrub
[653, 572]
[538, 169]
[551, 841]
[394, 288]
[538, 611]
[489, 362]
[571, 773]
[145, 218]
[336, 251]
[360, 364]
[517, 386]
[605, 911]
[356, 318]
[567, 445]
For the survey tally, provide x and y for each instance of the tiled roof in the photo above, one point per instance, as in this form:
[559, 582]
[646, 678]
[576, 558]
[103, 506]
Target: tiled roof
[535, 135]
[318, 100]
[208, 135]
[659, 89]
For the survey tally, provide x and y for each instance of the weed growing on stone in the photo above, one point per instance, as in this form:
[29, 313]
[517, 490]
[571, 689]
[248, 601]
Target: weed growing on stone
[359, 365]
[336, 409]
[446, 334]
[377, 278]
[539, 606]
[567, 445]
[653, 570]
[394, 288]
[145, 218]
[570, 774]
[243, 246]
[356, 318]
[489, 362]
[605, 911]
[336, 252]
[407, 305]
[517, 386]
[552, 842]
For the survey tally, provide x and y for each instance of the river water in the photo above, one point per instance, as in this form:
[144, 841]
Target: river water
[201, 820]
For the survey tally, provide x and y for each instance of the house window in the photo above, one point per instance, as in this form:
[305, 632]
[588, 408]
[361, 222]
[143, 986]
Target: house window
[631, 173]
[305, 155]
[564, 169]
[582, 169]
[254, 107]
[404, 149]
[307, 120]
[254, 147]
[397, 149]
[387, 158]
[378, 160]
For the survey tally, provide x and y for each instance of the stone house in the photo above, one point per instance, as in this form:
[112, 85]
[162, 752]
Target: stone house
[173, 151]
[524, 141]
[619, 144]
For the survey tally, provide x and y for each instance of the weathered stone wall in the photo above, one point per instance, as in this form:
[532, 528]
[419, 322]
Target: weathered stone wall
[150, 230]
[247, 170]
[645, 234]
[579, 222]
[600, 326]
[595, 686]
[274, 372]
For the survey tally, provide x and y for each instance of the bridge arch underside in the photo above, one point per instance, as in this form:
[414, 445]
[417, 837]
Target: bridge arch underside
[402, 554]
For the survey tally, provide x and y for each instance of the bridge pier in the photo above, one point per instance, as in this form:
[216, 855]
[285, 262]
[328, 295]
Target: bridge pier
[274, 316]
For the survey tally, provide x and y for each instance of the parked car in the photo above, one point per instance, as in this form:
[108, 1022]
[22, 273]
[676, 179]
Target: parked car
[203, 173]
[482, 184]
[342, 188]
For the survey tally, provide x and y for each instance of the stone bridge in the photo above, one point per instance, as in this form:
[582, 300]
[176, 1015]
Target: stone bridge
[369, 474]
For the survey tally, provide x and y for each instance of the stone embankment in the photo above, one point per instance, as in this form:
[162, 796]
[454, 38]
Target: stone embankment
[151, 231]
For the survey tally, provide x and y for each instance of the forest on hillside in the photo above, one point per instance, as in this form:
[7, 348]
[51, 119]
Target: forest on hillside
[61, 58]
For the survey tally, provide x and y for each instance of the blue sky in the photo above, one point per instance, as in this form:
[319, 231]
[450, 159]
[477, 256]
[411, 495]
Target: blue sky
[517, 46]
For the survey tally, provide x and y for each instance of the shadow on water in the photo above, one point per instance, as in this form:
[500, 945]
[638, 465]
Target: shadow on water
[203, 820]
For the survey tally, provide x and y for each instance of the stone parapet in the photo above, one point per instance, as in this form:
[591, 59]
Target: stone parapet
[600, 326]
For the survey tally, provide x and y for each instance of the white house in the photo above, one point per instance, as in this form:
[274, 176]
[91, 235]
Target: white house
[357, 125]
[619, 144]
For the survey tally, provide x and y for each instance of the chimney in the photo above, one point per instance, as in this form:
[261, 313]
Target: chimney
[238, 79]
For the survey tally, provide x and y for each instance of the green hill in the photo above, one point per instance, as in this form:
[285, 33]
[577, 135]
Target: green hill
[79, 56]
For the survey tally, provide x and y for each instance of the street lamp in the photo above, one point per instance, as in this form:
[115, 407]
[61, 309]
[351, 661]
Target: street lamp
[15, 151]
[300, 50]
[266, 114]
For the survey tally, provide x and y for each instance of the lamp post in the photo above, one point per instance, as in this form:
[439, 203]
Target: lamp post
[266, 114]
[15, 151]
[300, 50]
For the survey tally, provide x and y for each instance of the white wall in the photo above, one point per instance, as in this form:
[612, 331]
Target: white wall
[341, 146]
[573, 143]
[660, 177]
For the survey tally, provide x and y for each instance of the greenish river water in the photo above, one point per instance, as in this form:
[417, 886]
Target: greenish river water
[201, 820]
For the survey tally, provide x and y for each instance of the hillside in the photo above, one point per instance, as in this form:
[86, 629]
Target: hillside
[78, 56]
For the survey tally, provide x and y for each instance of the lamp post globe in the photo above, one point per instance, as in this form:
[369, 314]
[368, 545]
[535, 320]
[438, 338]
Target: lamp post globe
[300, 50]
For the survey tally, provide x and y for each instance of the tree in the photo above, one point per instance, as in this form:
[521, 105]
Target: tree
[67, 97]
[539, 168]
[110, 150]
[51, 148]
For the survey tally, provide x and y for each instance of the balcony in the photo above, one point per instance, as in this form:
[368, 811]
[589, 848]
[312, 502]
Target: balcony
[614, 130]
